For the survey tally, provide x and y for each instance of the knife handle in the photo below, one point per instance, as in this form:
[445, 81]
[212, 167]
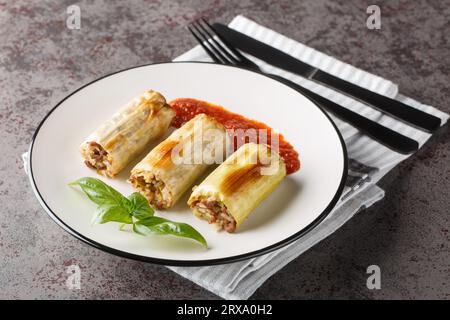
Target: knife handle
[378, 132]
[394, 108]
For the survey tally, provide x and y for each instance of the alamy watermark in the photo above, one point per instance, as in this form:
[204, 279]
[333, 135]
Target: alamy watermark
[73, 20]
[374, 280]
[213, 146]
[73, 281]
[373, 21]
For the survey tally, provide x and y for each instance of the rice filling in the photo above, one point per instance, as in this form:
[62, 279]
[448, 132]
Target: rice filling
[153, 189]
[215, 212]
[96, 157]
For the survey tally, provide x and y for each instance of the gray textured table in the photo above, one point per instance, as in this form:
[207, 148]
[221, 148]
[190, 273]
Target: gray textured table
[41, 61]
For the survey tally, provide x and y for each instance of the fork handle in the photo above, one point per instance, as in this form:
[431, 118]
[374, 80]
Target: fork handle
[376, 131]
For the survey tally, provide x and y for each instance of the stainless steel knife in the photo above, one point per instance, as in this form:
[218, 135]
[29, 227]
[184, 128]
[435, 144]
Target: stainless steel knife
[282, 60]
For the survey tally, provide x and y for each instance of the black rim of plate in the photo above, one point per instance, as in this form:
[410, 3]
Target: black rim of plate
[188, 263]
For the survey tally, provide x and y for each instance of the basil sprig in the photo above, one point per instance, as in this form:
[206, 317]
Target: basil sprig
[112, 206]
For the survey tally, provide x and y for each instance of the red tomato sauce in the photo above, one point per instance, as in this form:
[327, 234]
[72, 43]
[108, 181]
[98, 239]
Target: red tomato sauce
[187, 108]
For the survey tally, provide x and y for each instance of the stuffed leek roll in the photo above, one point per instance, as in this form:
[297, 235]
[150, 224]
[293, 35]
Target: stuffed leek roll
[173, 166]
[231, 192]
[115, 143]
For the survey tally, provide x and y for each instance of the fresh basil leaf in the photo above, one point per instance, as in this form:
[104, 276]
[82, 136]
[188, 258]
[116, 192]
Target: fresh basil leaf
[111, 213]
[140, 209]
[113, 206]
[161, 226]
[100, 193]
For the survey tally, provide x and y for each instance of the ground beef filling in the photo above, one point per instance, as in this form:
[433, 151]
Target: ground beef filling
[215, 212]
[96, 157]
[152, 190]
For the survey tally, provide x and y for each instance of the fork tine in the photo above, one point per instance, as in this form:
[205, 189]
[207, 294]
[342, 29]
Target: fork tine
[225, 42]
[224, 50]
[206, 41]
[201, 42]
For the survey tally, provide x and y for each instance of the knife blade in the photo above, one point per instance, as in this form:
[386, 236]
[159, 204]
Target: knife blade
[402, 112]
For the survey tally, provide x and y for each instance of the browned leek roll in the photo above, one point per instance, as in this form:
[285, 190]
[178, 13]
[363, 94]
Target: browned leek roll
[231, 192]
[114, 144]
[172, 167]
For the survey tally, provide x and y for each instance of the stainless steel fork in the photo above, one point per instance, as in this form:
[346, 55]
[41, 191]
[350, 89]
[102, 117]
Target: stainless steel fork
[359, 175]
[222, 52]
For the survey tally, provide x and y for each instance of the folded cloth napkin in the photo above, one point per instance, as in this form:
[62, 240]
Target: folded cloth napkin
[370, 161]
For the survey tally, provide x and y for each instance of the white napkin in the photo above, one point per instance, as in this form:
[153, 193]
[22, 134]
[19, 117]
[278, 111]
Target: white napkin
[240, 280]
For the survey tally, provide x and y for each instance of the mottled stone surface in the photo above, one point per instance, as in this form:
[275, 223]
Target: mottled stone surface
[41, 61]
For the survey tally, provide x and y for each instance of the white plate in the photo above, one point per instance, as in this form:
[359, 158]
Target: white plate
[301, 201]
